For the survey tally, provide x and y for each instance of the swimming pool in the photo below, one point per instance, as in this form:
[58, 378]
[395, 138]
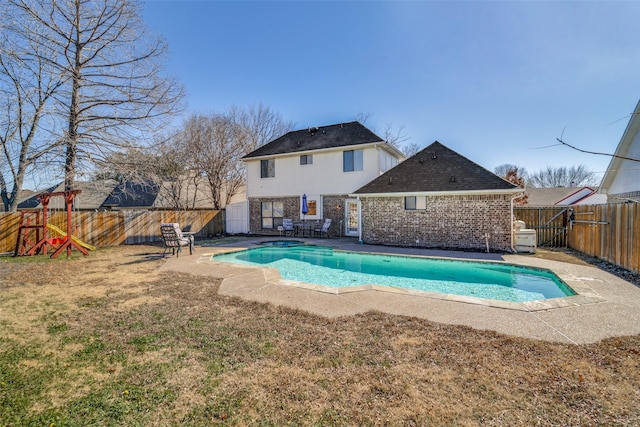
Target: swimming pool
[338, 269]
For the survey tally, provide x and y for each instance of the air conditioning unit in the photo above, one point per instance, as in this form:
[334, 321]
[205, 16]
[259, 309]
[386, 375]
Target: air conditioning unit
[524, 238]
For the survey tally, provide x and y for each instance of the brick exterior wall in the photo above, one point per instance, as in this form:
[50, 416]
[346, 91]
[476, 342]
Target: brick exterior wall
[332, 207]
[457, 222]
[291, 209]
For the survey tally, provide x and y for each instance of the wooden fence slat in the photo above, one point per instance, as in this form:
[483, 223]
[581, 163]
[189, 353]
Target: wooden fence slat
[549, 223]
[612, 233]
[112, 228]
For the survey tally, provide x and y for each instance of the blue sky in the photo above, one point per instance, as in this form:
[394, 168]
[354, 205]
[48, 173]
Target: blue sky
[494, 81]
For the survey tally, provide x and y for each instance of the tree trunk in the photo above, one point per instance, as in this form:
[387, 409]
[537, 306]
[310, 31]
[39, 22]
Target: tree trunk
[72, 137]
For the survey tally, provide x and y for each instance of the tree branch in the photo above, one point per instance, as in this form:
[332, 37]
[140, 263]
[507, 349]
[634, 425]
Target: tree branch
[597, 153]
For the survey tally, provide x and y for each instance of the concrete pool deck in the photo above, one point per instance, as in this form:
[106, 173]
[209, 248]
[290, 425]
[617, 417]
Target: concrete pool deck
[606, 306]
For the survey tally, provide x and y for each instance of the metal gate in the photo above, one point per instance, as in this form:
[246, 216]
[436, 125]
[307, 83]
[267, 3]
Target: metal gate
[550, 224]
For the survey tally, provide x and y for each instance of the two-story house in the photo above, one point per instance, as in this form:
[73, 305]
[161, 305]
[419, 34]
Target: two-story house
[322, 164]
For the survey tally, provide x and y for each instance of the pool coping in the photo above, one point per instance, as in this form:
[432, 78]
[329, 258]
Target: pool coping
[585, 294]
[606, 306]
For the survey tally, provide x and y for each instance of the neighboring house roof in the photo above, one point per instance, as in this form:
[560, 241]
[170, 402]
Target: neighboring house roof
[110, 194]
[622, 177]
[129, 194]
[91, 196]
[93, 193]
[557, 196]
[318, 138]
[194, 193]
[437, 168]
[28, 199]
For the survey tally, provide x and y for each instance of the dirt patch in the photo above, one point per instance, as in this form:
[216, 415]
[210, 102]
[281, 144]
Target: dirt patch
[108, 339]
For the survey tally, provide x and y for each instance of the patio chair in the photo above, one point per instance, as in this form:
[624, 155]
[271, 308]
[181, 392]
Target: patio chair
[287, 226]
[324, 230]
[175, 239]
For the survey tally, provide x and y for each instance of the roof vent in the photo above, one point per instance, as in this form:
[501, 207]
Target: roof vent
[452, 179]
[433, 155]
[313, 130]
[421, 160]
[390, 180]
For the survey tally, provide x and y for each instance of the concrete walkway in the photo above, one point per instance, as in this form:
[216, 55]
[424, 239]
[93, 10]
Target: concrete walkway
[605, 306]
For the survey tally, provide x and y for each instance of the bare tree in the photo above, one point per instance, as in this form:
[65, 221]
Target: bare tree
[574, 176]
[181, 185]
[113, 89]
[217, 142]
[411, 148]
[166, 166]
[516, 175]
[506, 169]
[260, 124]
[396, 137]
[27, 131]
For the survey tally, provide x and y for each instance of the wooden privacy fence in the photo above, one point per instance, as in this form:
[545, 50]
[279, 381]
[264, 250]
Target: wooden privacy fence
[114, 228]
[550, 224]
[609, 232]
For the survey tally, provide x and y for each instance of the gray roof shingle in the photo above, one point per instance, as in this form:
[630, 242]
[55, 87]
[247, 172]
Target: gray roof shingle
[436, 168]
[129, 194]
[317, 138]
[557, 195]
[92, 195]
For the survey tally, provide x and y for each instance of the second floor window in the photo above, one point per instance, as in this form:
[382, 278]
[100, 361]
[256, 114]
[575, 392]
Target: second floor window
[352, 160]
[306, 159]
[267, 168]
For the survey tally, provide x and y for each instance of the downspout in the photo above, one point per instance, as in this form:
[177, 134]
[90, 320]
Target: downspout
[513, 249]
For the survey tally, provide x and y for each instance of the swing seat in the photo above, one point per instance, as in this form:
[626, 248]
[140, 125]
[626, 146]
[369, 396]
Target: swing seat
[57, 240]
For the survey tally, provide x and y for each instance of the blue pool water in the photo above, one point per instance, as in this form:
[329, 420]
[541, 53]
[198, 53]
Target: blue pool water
[337, 269]
[282, 243]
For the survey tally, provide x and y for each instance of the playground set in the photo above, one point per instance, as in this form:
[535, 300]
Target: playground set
[34, 224]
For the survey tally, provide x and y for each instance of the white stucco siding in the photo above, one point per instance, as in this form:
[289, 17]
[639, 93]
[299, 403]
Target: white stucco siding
[627, 178]
[324, 176]
[386, 161]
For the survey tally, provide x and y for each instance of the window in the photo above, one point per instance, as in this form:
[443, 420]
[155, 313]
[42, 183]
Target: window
[271, 213]
[412, 203]
[306, 159]
[267, 168]
[352, 160]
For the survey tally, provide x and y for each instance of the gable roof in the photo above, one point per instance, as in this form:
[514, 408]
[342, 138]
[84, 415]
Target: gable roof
[92, 195]
[318, 138]
[29, 199]
[437, 168]
[557, 196]
[129, 194]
